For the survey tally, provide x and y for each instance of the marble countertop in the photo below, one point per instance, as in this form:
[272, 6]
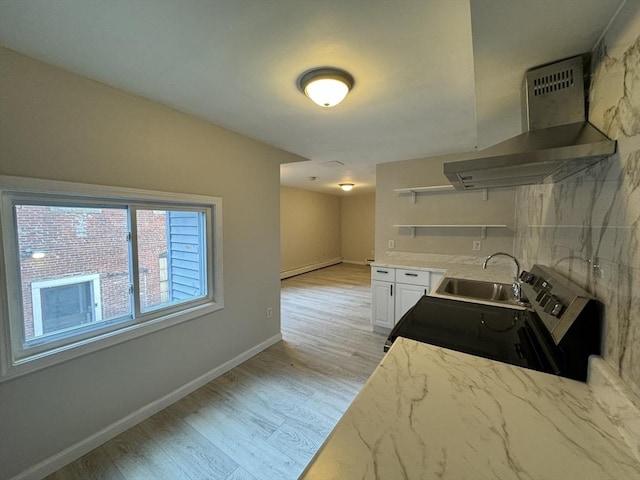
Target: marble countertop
[500, 269]
[428, 412]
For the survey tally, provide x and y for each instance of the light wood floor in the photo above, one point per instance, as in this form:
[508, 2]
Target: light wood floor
[266, 418]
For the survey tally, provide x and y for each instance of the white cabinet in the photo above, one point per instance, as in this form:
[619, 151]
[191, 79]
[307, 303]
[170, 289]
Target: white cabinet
[383, 274]
[406, 297]
[413, 277]
[394, 291]
[383, 298]
[382, 305]
[410, 286]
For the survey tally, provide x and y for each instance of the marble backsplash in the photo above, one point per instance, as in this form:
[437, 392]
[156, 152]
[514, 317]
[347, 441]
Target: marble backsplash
[588, 226]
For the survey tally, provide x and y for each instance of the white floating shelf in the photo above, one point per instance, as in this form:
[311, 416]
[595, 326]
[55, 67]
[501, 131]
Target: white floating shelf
[483, 228]
[436, 188]
[582, 227]
[433, 189]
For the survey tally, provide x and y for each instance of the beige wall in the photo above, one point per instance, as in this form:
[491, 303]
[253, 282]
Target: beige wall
[58, 125]
[318, 229]
[442, 208]
[309, 230]
[358, 227]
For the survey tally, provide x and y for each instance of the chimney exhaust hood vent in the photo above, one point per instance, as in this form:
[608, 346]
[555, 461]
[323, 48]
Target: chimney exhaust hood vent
[559, 141]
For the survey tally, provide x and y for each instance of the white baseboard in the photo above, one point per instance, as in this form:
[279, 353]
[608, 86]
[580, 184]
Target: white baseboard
[75, 451]
[355, 262]
[309, 268]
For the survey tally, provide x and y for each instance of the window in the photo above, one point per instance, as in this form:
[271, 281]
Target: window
[64, 303]
[87, 267]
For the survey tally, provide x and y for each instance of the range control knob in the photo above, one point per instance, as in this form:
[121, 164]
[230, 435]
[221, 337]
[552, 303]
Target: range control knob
[541, 297]
[546, 298]
[554, 308]
[527, 277]
[549, 300]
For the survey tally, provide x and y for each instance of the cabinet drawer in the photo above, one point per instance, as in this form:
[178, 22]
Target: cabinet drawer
[383, 273]
[413, 277]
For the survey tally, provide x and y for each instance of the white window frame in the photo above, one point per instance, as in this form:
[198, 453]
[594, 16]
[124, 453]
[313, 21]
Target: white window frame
[36, 299]
[18, 357]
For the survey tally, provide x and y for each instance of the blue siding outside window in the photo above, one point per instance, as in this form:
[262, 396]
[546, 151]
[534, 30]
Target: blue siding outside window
[186, 255]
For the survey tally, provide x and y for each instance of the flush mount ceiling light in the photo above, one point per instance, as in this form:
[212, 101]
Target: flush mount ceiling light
[346, 186]
[327, 87]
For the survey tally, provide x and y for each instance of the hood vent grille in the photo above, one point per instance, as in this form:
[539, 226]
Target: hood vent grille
[558, 142]
[555, 95]
[553, 82]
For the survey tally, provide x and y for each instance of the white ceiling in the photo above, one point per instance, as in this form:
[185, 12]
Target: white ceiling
[431, 76]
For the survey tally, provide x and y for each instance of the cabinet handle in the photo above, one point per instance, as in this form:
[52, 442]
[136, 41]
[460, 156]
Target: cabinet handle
[381, 271]
[425, 291]
[391, 290]
[411, 274]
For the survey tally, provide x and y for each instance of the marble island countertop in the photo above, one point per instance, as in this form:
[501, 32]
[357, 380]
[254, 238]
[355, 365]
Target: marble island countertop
[432, 413]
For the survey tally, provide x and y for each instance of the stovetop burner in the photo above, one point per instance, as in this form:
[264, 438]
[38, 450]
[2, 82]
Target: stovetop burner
[559, 344]
[491, 332]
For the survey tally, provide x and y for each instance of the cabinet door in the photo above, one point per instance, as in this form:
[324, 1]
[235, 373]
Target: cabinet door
[406, 297]
[382, 305]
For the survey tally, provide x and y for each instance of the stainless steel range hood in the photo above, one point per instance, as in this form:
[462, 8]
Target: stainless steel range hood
[559, 141]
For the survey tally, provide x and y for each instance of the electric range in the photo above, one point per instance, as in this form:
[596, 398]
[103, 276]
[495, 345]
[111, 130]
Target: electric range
[557, 335]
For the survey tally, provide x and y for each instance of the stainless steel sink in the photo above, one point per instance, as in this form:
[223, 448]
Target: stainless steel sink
[471, 290]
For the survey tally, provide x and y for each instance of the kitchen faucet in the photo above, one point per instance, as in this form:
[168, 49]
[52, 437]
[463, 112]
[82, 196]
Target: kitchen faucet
[516, 287]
